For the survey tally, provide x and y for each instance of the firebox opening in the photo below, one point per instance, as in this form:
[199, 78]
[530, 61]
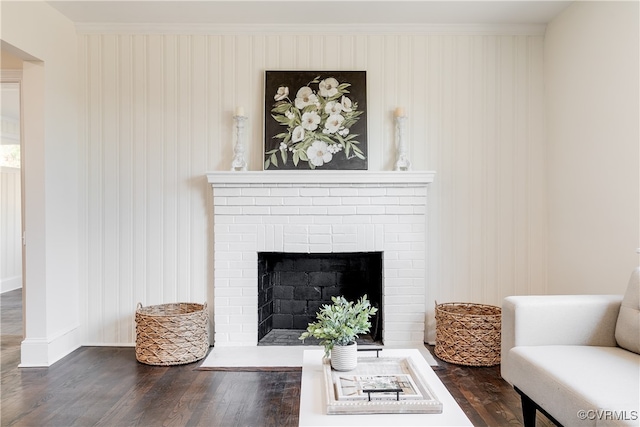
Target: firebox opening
[293, 286]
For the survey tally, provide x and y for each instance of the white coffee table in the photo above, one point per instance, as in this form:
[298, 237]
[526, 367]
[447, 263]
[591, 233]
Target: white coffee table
[313, 407]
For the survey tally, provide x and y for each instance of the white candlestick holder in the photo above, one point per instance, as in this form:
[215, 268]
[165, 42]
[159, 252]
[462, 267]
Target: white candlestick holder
[239, 163]
[402, 159]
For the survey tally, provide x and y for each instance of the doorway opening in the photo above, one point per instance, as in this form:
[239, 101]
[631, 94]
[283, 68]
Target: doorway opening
[12, 253]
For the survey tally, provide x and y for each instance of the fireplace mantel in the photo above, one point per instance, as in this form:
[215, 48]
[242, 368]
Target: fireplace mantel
[319, 211]
[230, 178]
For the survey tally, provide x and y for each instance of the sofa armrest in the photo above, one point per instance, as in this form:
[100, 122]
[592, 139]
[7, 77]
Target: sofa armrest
[557, 320]
[560, 320]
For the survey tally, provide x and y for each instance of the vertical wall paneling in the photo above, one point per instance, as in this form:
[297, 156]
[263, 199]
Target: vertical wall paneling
[154, 160]
[536, 281]
[159, 113]
[490, 179]
[169, 185]
[125, 180]
[376, 107]
[520, 167]
[139, 143]
[244, 66]
[386, 96]
[196, 253]
[476, 140]
[417, 111]
[96, 324]
[183, 167]
[83, 204]
[10, 229]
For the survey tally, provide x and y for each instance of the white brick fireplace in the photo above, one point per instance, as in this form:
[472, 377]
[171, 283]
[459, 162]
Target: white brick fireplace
[319, 212]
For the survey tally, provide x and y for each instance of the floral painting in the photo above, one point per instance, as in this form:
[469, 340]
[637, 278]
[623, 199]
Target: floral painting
[315, 120]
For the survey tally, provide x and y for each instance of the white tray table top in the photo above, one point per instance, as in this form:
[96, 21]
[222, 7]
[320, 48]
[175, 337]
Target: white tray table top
[313, 408]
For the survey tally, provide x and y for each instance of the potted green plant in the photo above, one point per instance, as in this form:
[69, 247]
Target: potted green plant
[337, 326]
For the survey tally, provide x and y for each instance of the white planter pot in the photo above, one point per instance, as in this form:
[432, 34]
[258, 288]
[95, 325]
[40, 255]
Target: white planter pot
[344, 357]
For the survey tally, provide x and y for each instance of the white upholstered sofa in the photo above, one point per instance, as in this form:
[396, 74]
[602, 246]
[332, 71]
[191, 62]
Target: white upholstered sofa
[575, 357]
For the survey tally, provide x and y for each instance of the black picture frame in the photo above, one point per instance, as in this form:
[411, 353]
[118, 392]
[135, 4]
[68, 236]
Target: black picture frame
[315, 120]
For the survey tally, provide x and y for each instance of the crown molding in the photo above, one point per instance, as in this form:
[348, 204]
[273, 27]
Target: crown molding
[325, 29]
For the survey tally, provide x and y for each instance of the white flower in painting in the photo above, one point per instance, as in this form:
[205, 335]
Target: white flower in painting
[335, 148]
[346, 104]
[310, 120]
[282, 93]
[298, 134]
[290, 115]
[318, 153]
[304, 97]
[343, 131]
[333, 123]
[328, 87]
[283, 146]
[333, 107]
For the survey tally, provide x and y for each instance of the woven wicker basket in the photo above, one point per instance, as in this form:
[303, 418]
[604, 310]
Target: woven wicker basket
[468, 334]
[171, 334]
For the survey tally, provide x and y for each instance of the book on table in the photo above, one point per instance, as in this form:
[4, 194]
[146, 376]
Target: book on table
[380, 385]
[377, 387]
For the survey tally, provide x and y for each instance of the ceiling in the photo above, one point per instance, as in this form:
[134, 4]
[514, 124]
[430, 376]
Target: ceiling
[313, 12]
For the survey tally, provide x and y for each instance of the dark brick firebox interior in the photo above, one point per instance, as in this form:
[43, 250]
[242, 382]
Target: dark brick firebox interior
[293, 286]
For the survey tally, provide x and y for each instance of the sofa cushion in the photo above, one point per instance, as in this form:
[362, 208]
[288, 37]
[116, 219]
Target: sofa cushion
[628, 324]
[567, 379]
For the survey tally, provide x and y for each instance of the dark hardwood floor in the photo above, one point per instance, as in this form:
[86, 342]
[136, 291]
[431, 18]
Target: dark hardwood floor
[106, 386]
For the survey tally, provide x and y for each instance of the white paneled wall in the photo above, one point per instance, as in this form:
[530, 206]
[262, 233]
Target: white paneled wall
[158, 115]
[10, 229]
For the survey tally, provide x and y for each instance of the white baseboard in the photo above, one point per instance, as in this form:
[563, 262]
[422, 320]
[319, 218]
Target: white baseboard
[10, 284]
[108, 344]
[44, 352]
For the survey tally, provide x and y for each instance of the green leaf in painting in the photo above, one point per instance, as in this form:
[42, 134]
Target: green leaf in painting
[347, 148]
[323, 137]
[281, 108]
[281, 119]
